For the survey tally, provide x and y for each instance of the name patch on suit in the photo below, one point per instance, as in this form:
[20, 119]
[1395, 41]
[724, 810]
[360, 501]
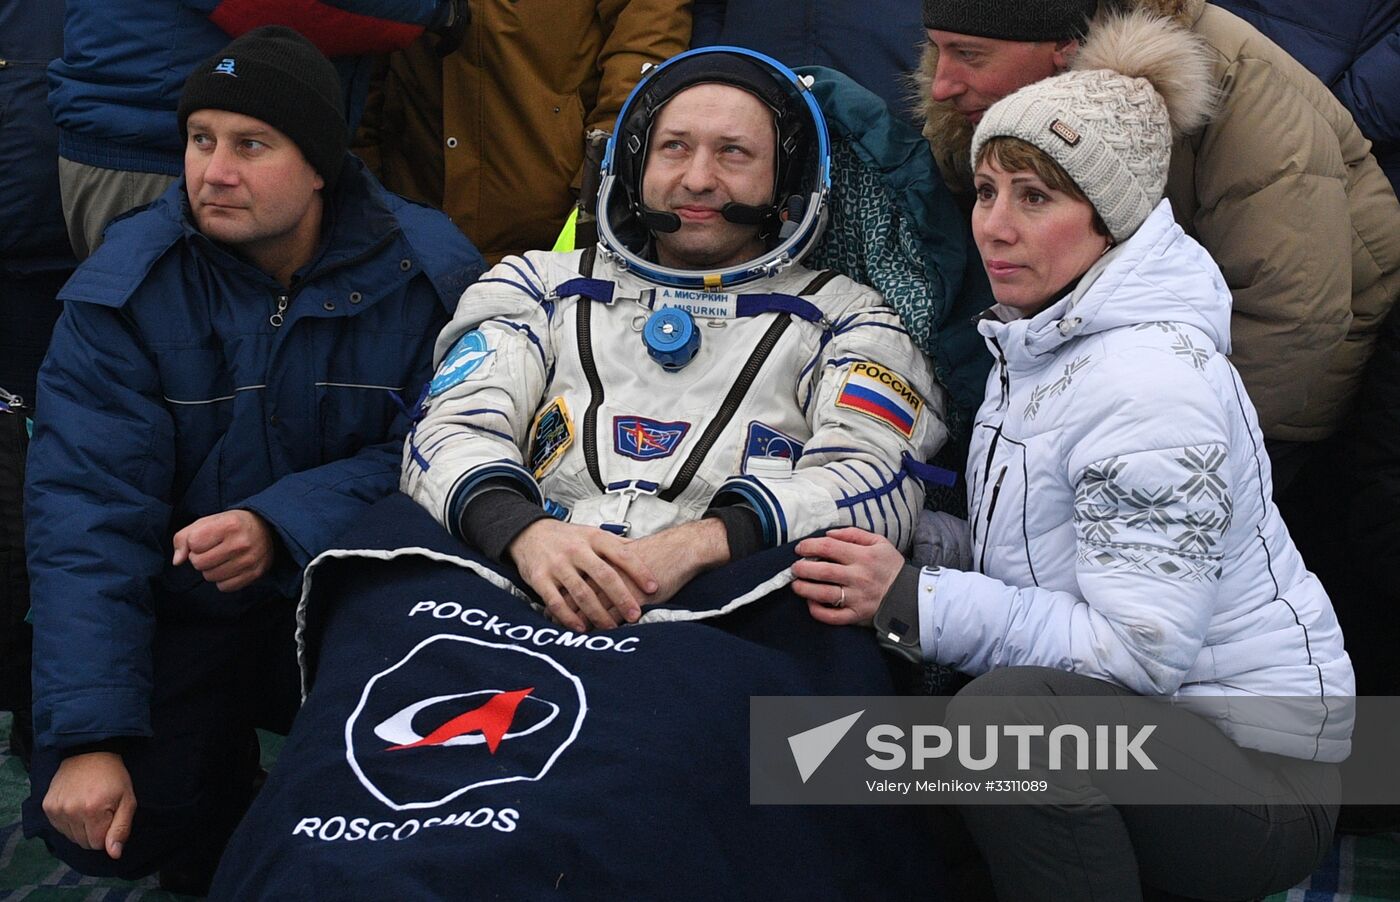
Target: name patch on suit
[465, 358]
[641, 438]
[550, 436]
[699, 304]
[882, 395]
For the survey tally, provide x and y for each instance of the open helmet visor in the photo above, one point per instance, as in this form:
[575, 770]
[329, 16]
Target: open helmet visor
[789, 226]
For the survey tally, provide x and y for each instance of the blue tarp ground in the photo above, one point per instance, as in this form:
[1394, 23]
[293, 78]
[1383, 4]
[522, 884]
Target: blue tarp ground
[453, 745]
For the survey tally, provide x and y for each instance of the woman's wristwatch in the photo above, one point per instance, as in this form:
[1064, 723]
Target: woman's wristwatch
[897, 620]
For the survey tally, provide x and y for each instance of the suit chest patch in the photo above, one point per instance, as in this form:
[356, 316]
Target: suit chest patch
[641, 438]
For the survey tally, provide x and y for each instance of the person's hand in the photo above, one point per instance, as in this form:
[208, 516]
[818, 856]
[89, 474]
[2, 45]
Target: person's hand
[231, 549]
[91, 802]
[584, 575]
[850, 576]
[681, 553]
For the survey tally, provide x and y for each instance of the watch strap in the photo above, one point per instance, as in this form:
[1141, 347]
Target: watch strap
[897, 619]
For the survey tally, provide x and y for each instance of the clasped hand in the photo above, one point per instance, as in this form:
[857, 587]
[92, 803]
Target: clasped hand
[588, 577]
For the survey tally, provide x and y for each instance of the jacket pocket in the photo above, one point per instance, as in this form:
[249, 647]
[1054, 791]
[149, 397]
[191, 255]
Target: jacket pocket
[1001, 535]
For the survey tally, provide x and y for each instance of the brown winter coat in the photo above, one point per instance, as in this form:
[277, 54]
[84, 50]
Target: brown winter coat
[1282, 190]
[494, 134]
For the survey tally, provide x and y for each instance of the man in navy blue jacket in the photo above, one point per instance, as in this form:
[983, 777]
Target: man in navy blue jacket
[221, 399]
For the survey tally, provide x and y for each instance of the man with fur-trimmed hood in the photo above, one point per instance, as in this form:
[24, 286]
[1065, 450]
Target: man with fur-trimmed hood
[1280, 187]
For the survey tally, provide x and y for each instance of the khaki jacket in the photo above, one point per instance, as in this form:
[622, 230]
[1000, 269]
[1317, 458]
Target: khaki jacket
[1282, 190]
[494, 134]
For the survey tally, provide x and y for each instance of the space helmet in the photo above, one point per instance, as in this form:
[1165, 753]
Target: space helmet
[790, 225]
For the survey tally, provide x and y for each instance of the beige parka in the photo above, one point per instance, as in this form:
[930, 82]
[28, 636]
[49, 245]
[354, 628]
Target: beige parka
[494, 134]
[1282, 190]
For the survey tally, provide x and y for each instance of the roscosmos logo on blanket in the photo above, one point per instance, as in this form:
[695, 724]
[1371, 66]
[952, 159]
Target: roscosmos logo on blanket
[458, 713]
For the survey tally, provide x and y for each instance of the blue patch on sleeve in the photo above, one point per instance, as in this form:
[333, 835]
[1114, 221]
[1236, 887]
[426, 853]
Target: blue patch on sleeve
[466, 356]
[765, 441]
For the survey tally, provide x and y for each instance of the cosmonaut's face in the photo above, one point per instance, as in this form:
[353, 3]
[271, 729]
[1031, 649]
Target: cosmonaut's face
[711, 144]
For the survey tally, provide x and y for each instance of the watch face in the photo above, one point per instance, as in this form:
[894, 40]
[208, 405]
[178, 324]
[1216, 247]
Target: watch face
[895, 629]
[895, 625]
[899, 637]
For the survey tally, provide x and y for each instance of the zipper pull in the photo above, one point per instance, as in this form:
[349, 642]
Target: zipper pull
[277, 318]
[10, 402]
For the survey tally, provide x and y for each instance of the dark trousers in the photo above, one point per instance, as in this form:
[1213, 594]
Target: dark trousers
[15, 641]
[214, 682]
[28, 311]
[1092, 849]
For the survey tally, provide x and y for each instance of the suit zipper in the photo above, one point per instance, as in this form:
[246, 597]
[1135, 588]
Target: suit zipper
[737, 393]
[991, 508]
[583, 316]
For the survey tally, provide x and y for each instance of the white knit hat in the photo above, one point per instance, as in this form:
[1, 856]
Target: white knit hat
[1108, 122]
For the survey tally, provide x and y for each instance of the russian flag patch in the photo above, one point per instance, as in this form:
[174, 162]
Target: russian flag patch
[882, 395]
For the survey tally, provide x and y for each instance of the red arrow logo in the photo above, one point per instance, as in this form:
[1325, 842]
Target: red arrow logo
[492, 719]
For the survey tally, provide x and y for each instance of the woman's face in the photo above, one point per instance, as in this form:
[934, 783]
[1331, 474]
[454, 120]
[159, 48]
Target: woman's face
[1034, 240]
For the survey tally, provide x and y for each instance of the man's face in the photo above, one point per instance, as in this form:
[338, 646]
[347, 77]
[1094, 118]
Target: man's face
[711, 144]
[973, 72]
[249, 186]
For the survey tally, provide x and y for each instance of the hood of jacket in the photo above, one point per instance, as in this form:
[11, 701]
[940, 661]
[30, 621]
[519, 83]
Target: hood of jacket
[1159, 275]
[948, 132]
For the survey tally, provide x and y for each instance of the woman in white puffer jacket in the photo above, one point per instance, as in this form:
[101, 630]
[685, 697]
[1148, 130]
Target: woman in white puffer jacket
[1123, 537]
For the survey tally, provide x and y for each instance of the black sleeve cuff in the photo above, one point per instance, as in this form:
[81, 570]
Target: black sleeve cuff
[117, 745]
[742, 529]
[905, 585]
[492, 520]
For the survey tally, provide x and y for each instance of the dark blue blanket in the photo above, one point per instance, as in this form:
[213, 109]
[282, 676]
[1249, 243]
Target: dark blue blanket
[455, 744]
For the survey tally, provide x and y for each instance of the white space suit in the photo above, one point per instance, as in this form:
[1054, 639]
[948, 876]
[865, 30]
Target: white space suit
[802, 409]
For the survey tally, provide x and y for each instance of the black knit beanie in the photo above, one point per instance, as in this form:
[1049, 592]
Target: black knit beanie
[1011, 20]
[276, 75]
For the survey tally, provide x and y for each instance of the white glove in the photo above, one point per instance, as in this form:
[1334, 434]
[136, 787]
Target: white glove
[941, 540]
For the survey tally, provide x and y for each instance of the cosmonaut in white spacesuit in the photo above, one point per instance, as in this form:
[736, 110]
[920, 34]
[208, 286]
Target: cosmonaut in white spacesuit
[615, 421]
